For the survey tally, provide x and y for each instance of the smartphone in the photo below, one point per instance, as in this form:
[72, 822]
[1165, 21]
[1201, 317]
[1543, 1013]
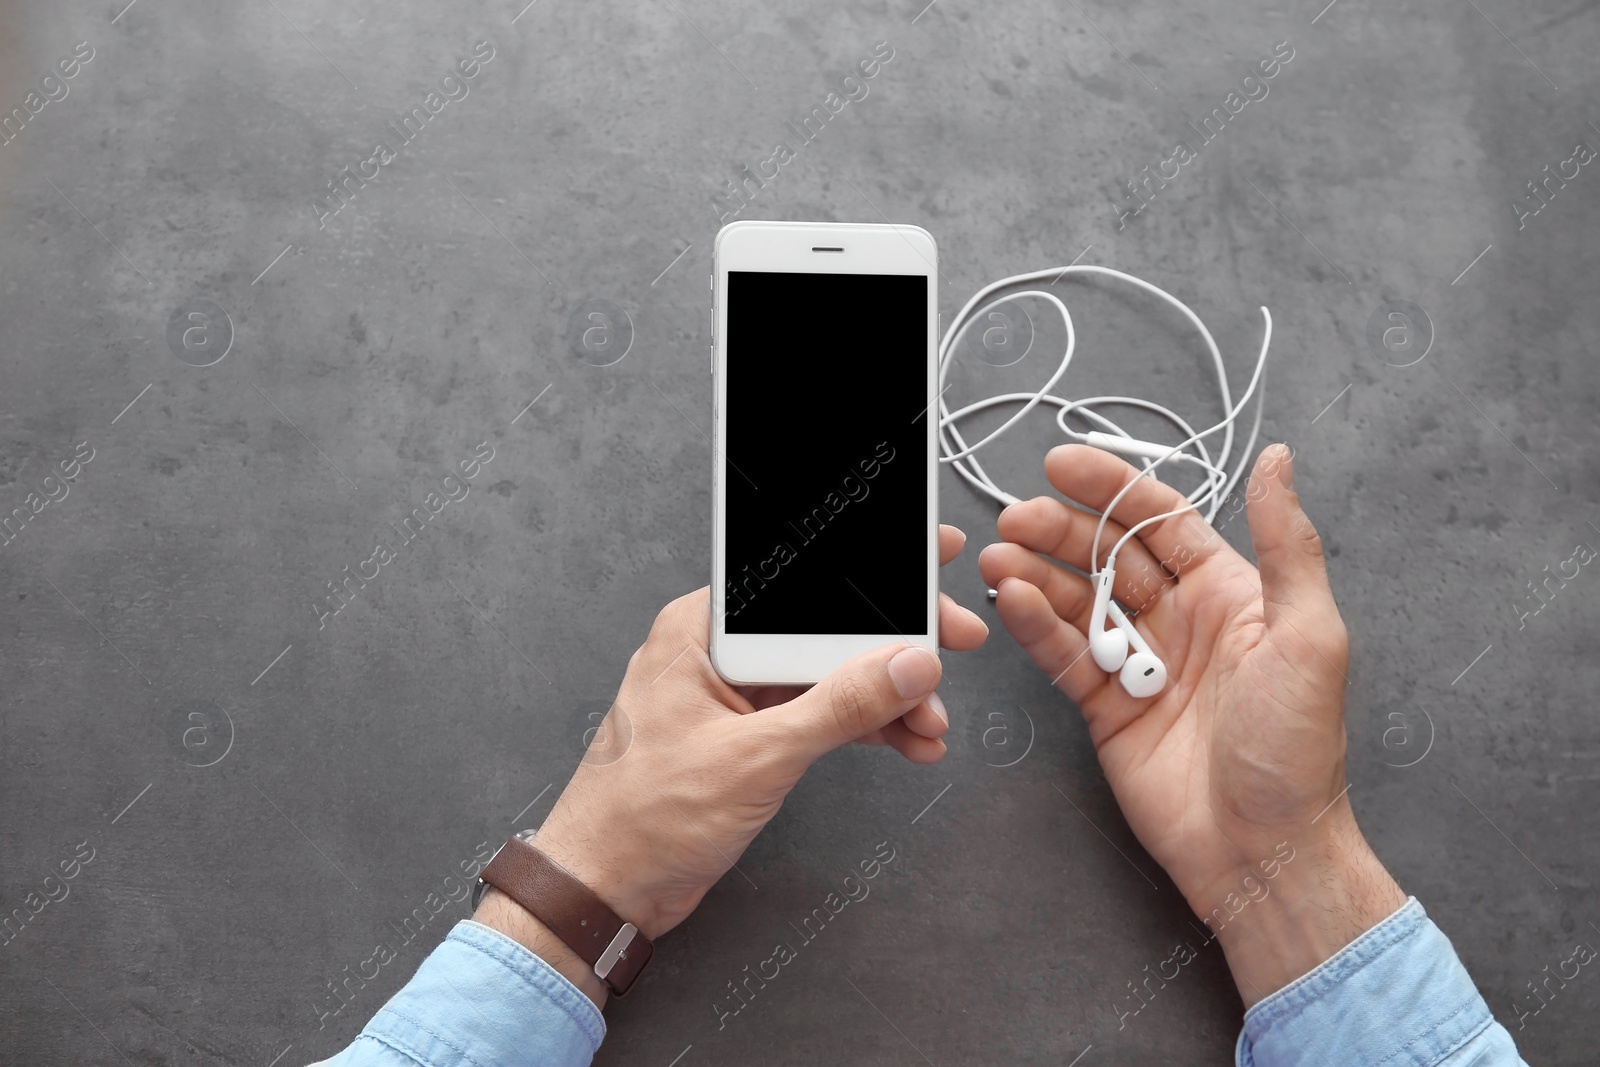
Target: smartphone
[824, 463]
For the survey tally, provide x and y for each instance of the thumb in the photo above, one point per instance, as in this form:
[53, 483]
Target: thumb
[1294, 578]
[866, 693]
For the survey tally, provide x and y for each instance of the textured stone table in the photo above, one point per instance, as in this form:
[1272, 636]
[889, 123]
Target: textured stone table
[258, 342]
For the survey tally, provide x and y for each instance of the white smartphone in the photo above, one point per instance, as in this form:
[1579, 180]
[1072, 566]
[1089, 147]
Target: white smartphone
[825, 464]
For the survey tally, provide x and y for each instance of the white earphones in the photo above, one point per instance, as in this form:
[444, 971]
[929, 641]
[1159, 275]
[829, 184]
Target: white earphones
[1142, 673]
[1121, 647]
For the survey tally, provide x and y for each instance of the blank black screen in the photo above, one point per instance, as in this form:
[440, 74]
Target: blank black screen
[826, 465]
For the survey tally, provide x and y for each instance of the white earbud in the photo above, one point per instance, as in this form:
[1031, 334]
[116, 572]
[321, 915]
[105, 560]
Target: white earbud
[1142, 673]
[1108, 647]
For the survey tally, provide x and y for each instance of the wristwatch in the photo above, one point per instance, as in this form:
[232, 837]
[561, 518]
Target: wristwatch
[550, 893]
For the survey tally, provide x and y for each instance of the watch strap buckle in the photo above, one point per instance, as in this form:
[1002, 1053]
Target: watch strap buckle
[570, 910]
[623, 960]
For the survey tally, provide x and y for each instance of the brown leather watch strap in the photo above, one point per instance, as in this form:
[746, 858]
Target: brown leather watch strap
[542, 887]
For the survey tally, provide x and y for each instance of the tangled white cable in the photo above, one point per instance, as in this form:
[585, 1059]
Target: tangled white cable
[1142, 672]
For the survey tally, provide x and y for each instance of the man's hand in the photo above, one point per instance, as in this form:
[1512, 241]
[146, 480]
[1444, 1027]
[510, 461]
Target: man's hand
[686, 769]
[1240, 760]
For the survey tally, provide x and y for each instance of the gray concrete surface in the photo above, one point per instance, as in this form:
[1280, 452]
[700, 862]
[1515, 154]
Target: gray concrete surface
[296, 792]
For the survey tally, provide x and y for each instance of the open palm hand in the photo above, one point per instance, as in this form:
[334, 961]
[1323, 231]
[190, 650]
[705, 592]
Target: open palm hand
[1244, 748]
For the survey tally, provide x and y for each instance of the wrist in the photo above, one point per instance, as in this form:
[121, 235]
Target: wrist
[500, 912]
[599, 850]
[1279, 920]
[615, 879]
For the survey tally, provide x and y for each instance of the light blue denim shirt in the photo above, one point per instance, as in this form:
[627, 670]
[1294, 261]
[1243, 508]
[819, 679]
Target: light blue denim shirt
[480, 1000]
[1397, 996]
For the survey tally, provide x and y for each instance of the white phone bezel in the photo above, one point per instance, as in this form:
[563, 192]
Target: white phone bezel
[803, 659]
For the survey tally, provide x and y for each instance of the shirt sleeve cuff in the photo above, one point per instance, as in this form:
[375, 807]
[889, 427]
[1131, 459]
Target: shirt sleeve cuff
[1397, 995]
[481, 998]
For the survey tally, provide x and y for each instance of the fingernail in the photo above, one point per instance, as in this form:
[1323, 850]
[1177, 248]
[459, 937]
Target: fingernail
[938, 707]
[914, 671]
[1285, 463]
